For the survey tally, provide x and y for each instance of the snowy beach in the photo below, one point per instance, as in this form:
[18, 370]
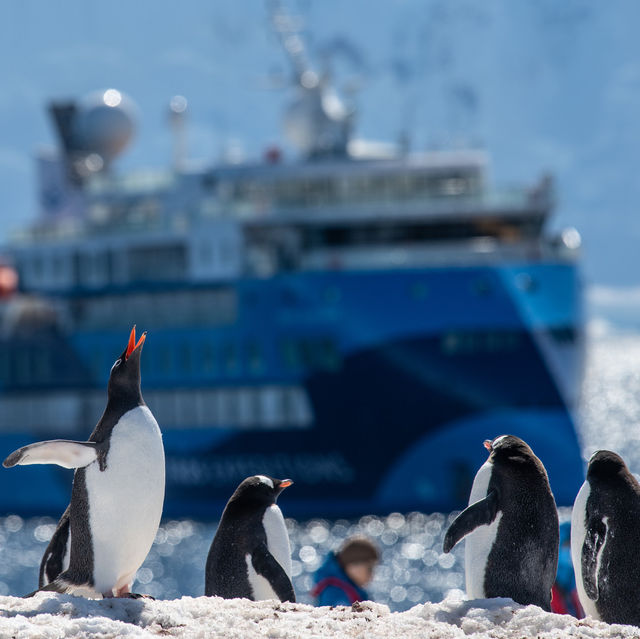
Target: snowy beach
[53, 616]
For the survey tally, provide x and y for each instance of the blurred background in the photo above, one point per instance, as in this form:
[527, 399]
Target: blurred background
[543, 86]
[468, 302]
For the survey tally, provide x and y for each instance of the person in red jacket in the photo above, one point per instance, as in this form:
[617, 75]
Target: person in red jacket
[564, 596]
[341, 579]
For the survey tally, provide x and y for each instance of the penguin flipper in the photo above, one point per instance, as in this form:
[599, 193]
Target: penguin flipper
[54, 556]
[65, 587]
[480, 513]
[591, 549]
[50, 587]
[265, 564]
[63, 452]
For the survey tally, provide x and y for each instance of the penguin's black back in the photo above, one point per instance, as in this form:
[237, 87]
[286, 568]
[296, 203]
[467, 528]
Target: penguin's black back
[239, 533]
[523, 561]
[615, 495]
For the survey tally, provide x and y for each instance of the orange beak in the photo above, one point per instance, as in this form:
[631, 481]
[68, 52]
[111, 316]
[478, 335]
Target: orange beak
[286, 483]
[131, 346]
[487, 444]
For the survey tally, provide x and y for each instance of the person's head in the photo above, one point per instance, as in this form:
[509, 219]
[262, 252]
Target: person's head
[358, 557]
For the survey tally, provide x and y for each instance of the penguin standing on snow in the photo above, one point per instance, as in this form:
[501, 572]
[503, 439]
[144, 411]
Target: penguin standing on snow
[511, 526]
[118, 491]
[605, 538]
[250, 556]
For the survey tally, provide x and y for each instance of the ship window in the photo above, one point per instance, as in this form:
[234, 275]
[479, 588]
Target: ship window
[227, 252]
[208, 358]
[158, 263]
[4, 366]
[57, 267]
[254, 357]
[452, 186]
[97, 267]
[42, 365]
[316, 353]
[291, 354]
[111, 259]
[328, 355]
[228, 407]
[96, 364]
[206, 253]
[22, 367]
[36, 267]
[77, 269]
[469, 343]
[308, 353]
[145, 366]
[288, 406]
[164, 358]
[230, 358]
[186, 358]
[209, 181]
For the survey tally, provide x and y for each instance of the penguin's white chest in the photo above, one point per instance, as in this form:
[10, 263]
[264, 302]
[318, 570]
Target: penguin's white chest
[125, 500]
[578, 536]
[478, 543]
[278, 546]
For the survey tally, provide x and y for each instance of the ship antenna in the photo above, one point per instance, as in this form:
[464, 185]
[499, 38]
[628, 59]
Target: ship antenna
[288, 32]
[317, 122]
[177, 113]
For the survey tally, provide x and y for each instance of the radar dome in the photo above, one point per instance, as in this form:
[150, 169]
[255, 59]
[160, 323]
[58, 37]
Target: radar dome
[104, 123]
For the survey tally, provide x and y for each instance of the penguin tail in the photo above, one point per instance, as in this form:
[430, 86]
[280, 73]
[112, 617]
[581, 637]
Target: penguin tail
[65, 587]
[55, 586]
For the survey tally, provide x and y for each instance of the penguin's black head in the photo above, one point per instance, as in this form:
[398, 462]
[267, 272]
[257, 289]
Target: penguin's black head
[508, 448]
[260, 489]
[124, 379]
[604, 463]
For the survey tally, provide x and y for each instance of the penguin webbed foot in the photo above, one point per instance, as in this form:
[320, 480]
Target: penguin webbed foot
[125, 593]
[137, 595]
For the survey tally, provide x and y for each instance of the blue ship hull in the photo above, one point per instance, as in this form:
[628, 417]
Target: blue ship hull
[405, 373]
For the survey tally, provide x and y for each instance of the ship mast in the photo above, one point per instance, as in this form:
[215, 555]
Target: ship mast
[317, 122]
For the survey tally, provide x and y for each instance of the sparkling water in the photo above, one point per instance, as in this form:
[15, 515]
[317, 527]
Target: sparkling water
[413, 568]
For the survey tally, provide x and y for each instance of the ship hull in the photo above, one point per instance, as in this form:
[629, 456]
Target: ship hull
[372, 390]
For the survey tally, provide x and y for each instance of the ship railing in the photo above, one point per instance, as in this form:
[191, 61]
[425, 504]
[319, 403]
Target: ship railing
[476, 251]
[263, 208]
[149, 181]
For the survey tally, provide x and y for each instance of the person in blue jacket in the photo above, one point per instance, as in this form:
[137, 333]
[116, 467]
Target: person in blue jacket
[342, 578]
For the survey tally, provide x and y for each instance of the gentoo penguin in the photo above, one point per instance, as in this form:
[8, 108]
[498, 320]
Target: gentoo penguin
[250, 555]
[512, 527]
[605, 538]
[118, 491]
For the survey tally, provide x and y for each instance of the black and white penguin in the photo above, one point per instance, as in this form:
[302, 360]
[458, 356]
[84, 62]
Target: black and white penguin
[605, 538]
[118, 491]
[250, 556]
[511, 526]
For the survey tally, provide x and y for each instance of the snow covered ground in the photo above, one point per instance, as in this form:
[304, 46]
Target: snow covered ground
[49, 615]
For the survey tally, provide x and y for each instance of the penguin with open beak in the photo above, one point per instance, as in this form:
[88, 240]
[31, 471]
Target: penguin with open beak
[118, 490]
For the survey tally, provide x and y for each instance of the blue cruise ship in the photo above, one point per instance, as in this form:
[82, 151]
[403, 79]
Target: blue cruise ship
[357, 319]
